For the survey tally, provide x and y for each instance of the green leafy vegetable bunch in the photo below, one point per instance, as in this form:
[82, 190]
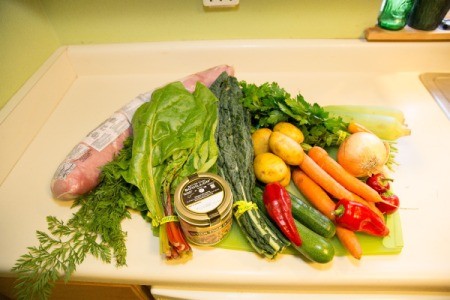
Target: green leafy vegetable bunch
[270, 104]
[173, 138]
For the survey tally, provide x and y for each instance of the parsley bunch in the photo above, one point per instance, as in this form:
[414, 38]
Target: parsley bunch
[94, 229]
[270, 104]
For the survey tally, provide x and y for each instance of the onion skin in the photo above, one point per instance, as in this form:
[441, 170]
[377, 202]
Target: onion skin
[363, 154]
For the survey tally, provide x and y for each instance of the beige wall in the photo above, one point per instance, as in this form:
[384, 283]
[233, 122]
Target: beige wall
[27, 39]
[32, 29]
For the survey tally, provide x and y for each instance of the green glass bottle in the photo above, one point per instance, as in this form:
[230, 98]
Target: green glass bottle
[394, 14]
[428, 14]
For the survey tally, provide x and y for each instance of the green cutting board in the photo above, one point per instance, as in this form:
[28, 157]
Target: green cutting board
[371, 245]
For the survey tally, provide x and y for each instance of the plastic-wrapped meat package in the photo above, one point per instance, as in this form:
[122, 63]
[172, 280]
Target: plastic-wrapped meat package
[79, 172]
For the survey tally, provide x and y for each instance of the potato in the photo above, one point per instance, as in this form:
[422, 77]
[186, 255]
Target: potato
[260, 139]
[286, 148]
[270, 168]
[286, 180]
[290, 130]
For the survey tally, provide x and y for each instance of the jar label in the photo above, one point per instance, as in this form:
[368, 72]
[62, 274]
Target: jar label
[207, 236]
[202, 195]
[214, 216]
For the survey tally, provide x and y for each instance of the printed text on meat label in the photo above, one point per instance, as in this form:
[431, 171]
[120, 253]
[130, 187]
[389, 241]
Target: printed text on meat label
[107, 132]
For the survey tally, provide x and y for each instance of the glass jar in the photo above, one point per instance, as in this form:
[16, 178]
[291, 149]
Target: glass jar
[394, 14]
[203, 203]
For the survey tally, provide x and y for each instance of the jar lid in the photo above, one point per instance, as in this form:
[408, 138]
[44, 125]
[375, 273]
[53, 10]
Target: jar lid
[203, 199]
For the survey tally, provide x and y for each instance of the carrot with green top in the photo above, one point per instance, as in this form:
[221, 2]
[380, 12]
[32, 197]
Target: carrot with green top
[350, 182]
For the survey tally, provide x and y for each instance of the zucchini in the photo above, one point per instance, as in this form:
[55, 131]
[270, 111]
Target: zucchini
[309, 216]
[314, 246]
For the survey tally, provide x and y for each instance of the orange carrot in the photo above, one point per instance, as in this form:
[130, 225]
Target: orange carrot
[322, 178]
[354, 127]
[314, 193]
[350, 182]
[320, 200]
[330, 185]
[350, 241]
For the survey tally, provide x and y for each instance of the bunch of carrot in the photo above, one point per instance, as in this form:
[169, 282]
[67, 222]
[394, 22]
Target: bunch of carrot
[320, 178]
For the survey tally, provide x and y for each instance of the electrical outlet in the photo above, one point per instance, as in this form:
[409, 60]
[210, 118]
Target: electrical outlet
[220, 3]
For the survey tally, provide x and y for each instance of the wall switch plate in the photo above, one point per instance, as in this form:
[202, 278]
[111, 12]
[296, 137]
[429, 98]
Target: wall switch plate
[220, 3]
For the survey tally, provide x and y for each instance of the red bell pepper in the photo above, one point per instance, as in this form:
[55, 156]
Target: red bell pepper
[390, 204]
[358, 217]
[279, 207]
[379, 183]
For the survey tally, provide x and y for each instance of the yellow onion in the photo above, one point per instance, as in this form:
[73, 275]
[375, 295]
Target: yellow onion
[363, 154]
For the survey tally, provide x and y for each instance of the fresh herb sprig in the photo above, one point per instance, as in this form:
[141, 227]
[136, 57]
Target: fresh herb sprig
[94, 229]
[270, 104]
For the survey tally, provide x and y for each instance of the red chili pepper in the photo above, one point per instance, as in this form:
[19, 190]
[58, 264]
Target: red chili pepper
[279, 206]
[358, 217]
[391, 204]
[379, 183]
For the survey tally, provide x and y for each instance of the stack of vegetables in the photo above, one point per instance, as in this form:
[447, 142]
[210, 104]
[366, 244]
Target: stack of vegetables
[260, 140]
[290, 138]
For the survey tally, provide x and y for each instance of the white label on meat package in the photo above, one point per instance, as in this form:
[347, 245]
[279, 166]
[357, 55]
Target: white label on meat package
[107, 132]
[70, 162]
[130, 108]
[64, 169]
[77, 152]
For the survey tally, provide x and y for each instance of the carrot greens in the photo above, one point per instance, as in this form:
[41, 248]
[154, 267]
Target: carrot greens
[94, 229]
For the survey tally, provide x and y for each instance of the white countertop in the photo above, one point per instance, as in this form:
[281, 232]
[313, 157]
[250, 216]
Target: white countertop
[80, 86]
